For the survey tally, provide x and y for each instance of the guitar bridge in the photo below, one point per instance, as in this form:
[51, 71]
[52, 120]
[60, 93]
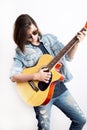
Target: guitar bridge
[32, 84]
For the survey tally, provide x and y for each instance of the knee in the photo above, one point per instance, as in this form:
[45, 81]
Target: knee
[83, 121]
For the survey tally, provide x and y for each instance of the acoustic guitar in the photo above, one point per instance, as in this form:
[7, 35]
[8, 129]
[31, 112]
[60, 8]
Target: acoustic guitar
[37, 93]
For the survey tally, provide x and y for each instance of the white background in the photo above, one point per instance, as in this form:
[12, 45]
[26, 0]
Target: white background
[62, 18]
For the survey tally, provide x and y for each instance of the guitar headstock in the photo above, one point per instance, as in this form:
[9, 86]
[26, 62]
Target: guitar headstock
[85, 26]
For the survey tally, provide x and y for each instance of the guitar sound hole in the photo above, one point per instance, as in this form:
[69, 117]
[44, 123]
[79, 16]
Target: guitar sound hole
[43, 86]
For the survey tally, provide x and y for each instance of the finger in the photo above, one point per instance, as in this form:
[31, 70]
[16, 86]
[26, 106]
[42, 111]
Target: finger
[84, 32]
[46, 81]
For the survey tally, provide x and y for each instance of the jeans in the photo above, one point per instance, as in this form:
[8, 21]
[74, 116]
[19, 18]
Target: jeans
[66, 103]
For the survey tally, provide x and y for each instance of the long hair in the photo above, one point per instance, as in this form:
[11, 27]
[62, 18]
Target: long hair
[21, 25]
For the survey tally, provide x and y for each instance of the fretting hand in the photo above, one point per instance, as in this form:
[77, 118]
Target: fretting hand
[81, 35]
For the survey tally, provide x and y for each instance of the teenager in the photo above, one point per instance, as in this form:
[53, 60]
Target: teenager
[31, 45]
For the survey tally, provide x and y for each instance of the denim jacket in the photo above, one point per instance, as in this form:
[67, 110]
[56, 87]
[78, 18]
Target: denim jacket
[32, 54]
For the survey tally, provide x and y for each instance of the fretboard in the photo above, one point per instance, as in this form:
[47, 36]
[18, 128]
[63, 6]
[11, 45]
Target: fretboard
[65, 50]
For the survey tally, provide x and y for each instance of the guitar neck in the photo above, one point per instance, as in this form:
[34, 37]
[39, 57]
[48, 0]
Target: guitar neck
[65, 50]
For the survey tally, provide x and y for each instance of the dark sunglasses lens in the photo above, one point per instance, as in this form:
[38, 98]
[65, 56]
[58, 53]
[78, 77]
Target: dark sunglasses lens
[35, 32]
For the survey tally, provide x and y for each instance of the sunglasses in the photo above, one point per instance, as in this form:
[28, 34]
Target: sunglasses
[33, 33]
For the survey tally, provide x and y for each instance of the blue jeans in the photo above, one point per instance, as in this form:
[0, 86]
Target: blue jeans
[66, 103]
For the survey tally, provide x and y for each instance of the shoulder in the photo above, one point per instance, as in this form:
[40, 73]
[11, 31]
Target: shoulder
[18, 54]
[49, 36]
[49, 39]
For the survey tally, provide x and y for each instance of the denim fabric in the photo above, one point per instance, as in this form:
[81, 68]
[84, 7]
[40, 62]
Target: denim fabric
[32, 54]
[66, 103]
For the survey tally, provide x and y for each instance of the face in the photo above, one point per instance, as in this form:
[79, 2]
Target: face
[33, 34]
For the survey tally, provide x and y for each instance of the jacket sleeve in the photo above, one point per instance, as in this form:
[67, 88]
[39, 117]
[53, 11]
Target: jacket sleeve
[17, 67]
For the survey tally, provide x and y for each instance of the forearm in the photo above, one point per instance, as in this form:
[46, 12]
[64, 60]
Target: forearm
[72, 52]
[23, 77]
[80, 37]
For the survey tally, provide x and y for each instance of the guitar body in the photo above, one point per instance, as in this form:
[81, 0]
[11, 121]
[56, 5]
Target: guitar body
[39, 97]
[39, 93]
